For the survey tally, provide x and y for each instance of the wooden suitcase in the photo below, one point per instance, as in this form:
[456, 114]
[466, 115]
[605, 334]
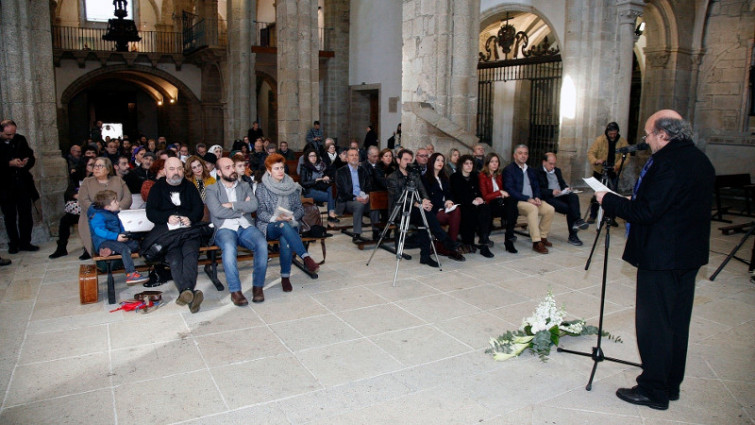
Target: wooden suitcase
[88, 290]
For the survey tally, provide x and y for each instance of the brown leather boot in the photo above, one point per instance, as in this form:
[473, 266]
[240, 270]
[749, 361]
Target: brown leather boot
[310, 264]
[257, 295]
[239, 299]
[546, 243]
[539, 247]
[286, 284]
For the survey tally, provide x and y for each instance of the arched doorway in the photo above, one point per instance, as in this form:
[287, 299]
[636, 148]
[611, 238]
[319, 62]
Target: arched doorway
[267, 105]
[519, 91]
[145, 100]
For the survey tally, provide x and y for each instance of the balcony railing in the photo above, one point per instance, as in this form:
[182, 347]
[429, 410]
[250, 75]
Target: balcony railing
[266, 35]
[75, 38]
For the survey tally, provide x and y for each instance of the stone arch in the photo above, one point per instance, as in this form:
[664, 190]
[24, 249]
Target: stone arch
[182, 122]
[494, 13]
[267, 112]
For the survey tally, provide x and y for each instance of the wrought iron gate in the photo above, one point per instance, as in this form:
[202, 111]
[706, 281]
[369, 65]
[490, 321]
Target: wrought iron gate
[544, 74]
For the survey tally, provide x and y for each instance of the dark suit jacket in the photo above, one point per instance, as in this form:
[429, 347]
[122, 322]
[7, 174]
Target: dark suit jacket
[437, 192]
[344, 186]
[670, 217]
[17, 181]
[542, 180]
[513, 182]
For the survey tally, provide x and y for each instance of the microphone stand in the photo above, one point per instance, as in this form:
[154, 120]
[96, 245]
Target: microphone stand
[597, 354]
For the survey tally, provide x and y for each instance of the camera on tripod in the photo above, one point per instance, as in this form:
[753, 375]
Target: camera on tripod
[414, 169]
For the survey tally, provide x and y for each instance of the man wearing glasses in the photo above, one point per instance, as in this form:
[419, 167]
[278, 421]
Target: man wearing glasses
[421, 161]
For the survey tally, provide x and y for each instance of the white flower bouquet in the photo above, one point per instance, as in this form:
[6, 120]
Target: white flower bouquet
[541, 331]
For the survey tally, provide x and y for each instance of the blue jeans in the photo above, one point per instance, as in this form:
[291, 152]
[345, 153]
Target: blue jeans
[289, 240]
[250, 238]
[322, 196]
[125, 249]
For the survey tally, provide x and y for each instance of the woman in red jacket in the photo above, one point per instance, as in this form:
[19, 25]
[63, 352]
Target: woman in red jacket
[501, 204]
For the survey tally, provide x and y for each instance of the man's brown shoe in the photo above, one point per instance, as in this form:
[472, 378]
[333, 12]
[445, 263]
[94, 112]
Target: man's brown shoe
[186, 297]
[197, 301]
[239, 299]
[310, 264]
[546, 243]
[286, 284]
[257, 295]
[539, 247]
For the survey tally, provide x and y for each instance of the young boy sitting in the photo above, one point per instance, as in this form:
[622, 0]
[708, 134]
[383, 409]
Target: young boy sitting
[107, 232]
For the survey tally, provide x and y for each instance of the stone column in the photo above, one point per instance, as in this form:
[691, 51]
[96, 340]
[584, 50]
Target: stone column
[241, 95]
[628, 11]
[27, 82]
[298, 70]
[439, 72]
[210, 14]
[335, 105]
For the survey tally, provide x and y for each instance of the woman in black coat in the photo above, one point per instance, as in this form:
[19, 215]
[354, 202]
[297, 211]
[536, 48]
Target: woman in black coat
[439, 190]
[475, 212]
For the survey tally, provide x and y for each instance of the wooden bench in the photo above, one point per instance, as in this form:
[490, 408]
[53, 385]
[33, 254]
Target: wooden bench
[732, 183]
[88, 273]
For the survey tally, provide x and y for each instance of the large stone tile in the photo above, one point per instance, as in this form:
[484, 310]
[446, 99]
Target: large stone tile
[475, 330]
[62, 306]
[21, 290]
[292, 307]
[265, 414]
[438, 307]
[347, 361]
[55, 345]
[419, 345]
[145, 330]
[702, 401]
[545, 415]
[380, 318]
[314, 332]
[240, 345]
[94, 407]
[41, 381]
[453, 280]
[486, 297]
[405, 289]
[263, 380]
[455, 370]
[347, 299]
[222, 319]
[172, 399]
[151, 361]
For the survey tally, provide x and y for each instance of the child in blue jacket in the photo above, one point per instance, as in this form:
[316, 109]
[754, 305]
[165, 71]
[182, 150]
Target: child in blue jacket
[107, 232]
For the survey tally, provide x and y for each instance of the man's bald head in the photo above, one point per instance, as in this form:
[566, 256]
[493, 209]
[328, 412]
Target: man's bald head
[174, 171]
[665, 126]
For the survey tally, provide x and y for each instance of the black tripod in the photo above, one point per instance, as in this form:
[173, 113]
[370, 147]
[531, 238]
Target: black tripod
[733, 253]
[404, 205]
[597, 351]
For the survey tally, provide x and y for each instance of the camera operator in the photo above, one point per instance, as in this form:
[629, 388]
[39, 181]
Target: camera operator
[603, 158]
[407, 177]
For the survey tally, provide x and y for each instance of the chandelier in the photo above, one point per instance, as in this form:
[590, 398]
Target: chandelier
[121, 30]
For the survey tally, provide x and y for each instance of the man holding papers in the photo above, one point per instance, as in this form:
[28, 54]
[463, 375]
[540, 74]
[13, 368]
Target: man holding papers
[668, 241]
[555, 191]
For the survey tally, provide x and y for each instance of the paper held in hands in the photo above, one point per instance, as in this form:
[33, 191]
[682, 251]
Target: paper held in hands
[281, 212]
[597, 186]
[451, 208]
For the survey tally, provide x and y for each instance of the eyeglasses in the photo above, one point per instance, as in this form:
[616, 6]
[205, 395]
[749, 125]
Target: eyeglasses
[422, 156]
[99, 166]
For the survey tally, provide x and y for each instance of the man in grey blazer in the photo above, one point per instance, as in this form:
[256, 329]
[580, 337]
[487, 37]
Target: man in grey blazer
[231, 204]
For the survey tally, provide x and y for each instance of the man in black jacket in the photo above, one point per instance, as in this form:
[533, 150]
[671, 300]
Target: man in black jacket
[17, 191]
[354, 186]
[174, 203]
[555, 191]
[668, 219]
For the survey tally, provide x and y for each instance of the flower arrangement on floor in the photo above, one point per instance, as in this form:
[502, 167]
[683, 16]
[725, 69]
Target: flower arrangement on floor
[541, 331]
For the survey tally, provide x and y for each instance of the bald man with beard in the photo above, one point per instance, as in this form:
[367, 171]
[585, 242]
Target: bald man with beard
[174, 203]
[668, 241]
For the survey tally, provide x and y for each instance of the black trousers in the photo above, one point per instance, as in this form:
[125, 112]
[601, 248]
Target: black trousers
[569, 205]
[663, 312]
[425, 250]
[475, 219]
[183, 260]
[18, 219]
[508, 212]
[64, 229]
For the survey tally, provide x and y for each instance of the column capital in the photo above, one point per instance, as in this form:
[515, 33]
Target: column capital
[629, 10]
[657, 58]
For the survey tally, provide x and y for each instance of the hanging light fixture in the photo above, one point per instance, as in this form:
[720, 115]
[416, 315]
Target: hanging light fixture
[121, 30]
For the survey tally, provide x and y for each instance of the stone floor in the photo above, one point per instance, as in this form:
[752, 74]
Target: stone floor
[348, 348]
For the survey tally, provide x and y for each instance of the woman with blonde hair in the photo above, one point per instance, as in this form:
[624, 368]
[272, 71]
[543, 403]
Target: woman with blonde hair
[451, 162]
[196, 172]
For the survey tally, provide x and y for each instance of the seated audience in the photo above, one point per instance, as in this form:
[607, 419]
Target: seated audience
[439, 192]
[275, 193]
[197, 173]
[475, 212]
[386, 165]
[451, 160]
[521, 182]
[286, 152]
[72, 208]
[107, 232]
[231, 204]
[353, 189]
[316, 183]
[552, 187]
[500, 201]
[175, 203]
[156, 172]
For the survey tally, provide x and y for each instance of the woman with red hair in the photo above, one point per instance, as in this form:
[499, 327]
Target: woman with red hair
[278, 215]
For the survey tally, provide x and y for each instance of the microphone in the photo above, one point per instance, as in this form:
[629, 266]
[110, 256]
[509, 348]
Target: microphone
[633, 148]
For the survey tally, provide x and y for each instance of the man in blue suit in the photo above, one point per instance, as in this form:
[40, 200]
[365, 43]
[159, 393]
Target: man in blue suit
[520, 182]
